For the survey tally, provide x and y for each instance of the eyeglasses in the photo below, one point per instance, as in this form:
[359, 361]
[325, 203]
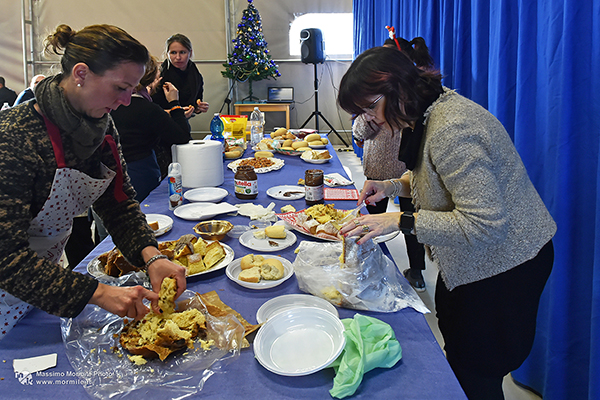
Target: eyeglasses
[371, 107]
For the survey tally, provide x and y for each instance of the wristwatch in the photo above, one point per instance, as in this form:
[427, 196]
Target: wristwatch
[407, 223]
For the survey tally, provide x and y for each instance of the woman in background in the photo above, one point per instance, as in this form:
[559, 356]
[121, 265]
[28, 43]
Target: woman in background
[59, 154]
[477, 212]
[181, 72]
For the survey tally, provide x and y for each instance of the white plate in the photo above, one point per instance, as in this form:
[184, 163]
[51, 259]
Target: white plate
[278, 192]
[247, 239]
[277, 164]
[206, 194]
[165, 223]
[201, 211]
[233, 271]
[299, 341]
[317, 146]
[287, 301]
[323, 161]
[229, 255]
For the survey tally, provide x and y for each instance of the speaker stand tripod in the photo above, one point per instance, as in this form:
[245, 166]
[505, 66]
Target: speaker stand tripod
[318, 114]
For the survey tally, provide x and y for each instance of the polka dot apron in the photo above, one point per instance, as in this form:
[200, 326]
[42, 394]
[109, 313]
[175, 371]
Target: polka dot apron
[71, 194]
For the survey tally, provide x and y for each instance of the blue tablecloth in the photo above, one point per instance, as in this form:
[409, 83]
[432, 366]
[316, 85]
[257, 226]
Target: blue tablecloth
[422, 373]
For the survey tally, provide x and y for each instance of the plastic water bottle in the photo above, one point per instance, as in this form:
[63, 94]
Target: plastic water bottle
[216, 128]
[175, 186]
[256, 127]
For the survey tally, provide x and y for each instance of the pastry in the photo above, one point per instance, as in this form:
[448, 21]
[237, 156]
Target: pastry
[250, 275]
[250, 261]
[214, 254]
[275, 232]
[271, 269]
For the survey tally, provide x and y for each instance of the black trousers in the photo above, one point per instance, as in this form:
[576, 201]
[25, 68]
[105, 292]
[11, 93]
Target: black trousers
[489, 326]
[414, 249]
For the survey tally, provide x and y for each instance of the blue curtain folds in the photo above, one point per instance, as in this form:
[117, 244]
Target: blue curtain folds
[536, 66]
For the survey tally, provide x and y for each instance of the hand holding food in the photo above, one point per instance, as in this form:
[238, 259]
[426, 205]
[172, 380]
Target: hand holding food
[124, 301]
[201, 106]
[171, 92]
[188, 111]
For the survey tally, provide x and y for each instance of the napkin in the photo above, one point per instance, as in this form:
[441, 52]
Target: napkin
[255, 211]
[370, 344]
[336, 179]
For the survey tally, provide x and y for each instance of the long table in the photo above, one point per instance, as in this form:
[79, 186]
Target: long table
[422, 373]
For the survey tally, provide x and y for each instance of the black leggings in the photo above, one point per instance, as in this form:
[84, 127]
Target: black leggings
[414, 249]
[488, 326]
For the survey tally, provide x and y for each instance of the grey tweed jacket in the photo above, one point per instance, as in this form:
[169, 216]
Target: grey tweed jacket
[479, 213]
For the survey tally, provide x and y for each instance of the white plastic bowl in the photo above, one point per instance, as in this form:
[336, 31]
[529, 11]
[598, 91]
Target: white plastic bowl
[299, 341]
[281, 303]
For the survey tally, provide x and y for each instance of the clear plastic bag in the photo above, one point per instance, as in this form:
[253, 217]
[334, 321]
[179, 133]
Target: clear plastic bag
[369, 281]
[103, 368]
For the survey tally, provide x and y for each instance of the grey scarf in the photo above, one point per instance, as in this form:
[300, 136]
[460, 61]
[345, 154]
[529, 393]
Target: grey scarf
[85, 133]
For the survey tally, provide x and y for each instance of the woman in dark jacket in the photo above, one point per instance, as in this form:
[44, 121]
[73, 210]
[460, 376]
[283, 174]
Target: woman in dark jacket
[179, 70]
[142, 124]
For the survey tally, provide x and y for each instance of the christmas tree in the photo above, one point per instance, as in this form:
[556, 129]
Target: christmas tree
[250, 59]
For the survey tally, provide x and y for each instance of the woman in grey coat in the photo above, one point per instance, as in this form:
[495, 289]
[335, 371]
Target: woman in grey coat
[477, 212]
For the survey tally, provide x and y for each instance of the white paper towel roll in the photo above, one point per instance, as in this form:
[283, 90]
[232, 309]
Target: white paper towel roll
[201, 163]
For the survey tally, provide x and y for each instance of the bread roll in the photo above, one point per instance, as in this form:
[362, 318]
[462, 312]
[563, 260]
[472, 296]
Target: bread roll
[315, 143]
[251, 261]
[271, 269]
[263, 154]
[279, 132]
[297, 145]
[287, 148]
[312, 137]
[302, 148]
[324, 140]
[275, 231]
[233, 154]
[287, 143]
[250, 275]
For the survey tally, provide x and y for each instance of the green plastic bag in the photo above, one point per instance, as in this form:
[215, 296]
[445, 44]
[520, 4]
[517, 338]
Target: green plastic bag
[370, 343]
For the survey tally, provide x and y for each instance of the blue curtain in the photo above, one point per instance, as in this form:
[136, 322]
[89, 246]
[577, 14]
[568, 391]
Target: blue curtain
[536, 66]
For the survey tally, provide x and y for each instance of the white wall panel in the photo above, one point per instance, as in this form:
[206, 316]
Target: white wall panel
[204, 22]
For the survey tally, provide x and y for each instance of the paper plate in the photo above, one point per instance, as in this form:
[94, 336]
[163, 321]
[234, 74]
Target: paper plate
[323, 161]
[165, 223]
[229, 256]
[207, 194]
[201, 211]
[288, 301]
[317, 146]
[234, 268]
[277, 164]
[247, 239]
[299, 341]
[279, 192]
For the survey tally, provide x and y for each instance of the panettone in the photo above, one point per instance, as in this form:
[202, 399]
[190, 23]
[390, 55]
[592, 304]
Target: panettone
[159, 335]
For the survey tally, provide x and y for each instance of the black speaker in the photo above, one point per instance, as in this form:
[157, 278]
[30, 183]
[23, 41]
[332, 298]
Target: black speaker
[312, 47]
